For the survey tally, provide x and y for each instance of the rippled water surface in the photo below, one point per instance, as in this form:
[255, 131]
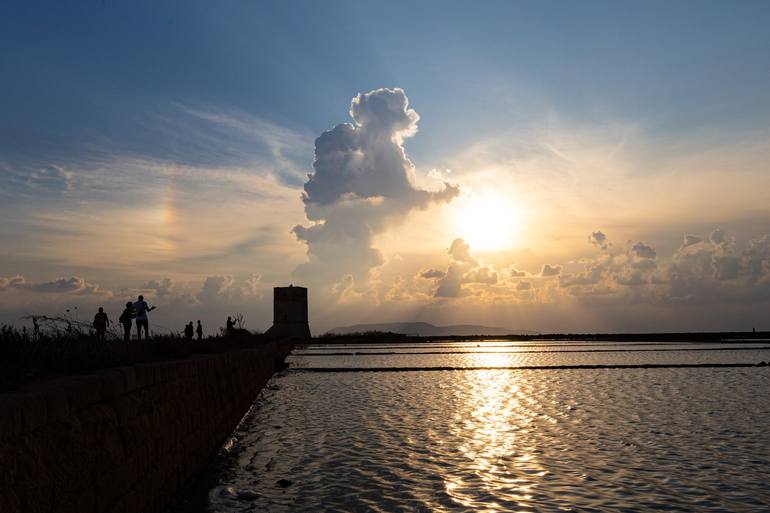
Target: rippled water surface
[492, 439]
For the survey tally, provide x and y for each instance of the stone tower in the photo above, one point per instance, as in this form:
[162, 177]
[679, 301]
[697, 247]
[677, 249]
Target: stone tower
[289, 313]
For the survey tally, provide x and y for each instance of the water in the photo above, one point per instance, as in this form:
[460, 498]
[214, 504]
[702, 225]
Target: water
[506, 439]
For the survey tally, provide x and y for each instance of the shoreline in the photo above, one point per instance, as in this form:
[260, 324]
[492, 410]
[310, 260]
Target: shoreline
[725, 337]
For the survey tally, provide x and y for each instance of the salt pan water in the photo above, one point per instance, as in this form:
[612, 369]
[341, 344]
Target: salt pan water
[360, 427]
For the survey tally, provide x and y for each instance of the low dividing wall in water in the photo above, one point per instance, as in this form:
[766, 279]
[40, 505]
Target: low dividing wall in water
[127, 439]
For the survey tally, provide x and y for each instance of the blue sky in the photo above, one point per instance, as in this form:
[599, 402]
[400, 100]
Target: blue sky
[144, 141]
[85, 77]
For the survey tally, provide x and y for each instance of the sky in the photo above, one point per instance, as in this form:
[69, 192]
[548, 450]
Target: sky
[552, 166]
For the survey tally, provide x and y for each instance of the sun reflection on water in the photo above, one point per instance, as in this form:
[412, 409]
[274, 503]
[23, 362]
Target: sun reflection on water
[501, 467]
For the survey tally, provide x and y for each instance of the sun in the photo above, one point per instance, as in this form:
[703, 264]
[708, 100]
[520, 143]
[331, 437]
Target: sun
[487, 221]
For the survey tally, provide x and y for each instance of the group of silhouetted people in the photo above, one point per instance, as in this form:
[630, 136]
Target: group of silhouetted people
[189, 330]
[133, 312]
[137, 312]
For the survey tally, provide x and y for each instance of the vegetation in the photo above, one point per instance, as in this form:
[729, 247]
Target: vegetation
[63, 347]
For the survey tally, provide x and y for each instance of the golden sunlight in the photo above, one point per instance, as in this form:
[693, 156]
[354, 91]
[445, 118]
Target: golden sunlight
[487, 221]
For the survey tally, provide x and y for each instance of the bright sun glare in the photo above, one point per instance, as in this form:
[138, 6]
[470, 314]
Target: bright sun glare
[487, 221]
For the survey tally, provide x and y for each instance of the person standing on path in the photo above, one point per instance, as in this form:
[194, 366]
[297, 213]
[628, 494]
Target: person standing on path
[141, 308]
[126, 318]
[188, 331]
[100, 324]
[199, 330]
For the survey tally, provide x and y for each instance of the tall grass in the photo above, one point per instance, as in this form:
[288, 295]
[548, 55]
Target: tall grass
[26, 356]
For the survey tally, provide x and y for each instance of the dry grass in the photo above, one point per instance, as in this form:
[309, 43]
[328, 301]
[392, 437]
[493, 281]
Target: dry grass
[26, 357]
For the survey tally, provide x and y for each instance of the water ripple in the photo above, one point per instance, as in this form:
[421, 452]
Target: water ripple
[498, 440]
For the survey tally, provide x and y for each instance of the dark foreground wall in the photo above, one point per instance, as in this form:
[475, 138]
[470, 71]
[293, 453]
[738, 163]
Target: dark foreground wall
[124, 440]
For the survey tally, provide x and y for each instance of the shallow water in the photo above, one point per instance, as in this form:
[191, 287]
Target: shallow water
[679, 439]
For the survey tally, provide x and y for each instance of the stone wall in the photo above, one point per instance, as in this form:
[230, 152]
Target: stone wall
[127, 439]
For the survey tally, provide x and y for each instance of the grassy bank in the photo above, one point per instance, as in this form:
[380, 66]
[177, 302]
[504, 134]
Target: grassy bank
[26, 357]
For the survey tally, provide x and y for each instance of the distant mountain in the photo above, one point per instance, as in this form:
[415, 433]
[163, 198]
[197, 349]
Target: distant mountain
[425, 329]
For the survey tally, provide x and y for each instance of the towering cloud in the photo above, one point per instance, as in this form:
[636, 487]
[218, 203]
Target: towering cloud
[362, 182]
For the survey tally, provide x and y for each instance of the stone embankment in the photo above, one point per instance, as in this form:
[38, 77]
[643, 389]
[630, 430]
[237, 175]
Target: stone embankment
[127, 439]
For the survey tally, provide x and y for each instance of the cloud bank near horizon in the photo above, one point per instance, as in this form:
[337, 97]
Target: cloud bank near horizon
[716, 272]
[704, 270]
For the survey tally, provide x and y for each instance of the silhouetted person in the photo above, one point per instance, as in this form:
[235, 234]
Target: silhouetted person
[141, 308]
[188, 331]
[199, 330]
[126, 318]
[100, 324]
[230, 325]
[35, 327]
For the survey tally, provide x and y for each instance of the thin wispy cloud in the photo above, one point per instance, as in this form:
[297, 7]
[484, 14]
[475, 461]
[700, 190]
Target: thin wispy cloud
[284, 145]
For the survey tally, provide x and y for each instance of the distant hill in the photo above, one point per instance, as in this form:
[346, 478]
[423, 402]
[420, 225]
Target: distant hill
[425, 329]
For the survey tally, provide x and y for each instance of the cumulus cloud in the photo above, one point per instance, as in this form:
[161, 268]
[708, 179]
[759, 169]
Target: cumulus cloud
[610, 273]
[460, 251]
[642, 250]
[709, 270]
[690, 240]
[464, 269]
[213, 290]
[703, 270]
[726, 267]
[215, 287]
[718, 236]
[595, 271]
[210, 299]
[756, 258]
[362, 182]
[11, 282]
[481, 275]
[432, 273]
[345, 290]
[716, 257]
[599, 239]
[72, 285]
[160, 288]
[226, 288]
[451, 284]
[550, 270]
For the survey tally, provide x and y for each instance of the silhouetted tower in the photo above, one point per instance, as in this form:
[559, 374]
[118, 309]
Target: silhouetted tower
[289, 313]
